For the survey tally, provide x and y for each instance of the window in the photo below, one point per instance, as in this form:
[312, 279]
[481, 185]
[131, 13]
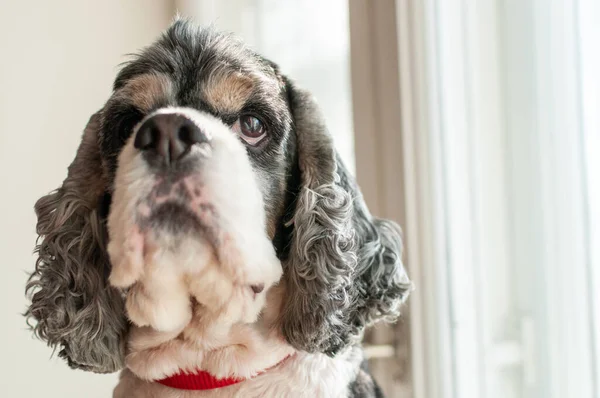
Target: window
[500, 134]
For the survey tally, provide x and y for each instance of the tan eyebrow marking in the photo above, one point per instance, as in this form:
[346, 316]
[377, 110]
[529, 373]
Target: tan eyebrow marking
[146, 90]
[227, 93]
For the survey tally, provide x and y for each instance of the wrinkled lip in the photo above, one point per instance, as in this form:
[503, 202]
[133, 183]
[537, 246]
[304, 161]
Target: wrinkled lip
[176, 207]
[170, 227]
[174, 218]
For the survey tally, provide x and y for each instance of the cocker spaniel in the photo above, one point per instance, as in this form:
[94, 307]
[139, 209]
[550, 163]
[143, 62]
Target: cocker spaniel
[208, 239]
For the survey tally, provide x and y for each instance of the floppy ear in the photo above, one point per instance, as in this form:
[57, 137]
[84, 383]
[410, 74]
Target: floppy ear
[344, 269]
[72, 306]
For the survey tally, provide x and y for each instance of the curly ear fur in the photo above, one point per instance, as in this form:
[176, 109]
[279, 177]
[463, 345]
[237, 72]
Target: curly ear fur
[71, 304]
[344, 269]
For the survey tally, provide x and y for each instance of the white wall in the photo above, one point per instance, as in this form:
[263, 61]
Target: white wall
[57, 62]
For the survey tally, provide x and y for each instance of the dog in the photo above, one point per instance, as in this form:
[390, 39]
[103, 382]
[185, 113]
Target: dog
[208, 240]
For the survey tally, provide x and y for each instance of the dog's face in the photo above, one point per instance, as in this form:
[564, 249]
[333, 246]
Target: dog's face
[195, 144]
[208, 160]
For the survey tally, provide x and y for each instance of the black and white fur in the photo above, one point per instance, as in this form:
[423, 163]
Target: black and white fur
[329, 268]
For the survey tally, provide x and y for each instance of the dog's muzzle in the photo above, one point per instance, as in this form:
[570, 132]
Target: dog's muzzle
[187, 220]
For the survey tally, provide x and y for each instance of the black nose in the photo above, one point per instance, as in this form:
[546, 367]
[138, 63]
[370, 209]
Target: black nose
[168, 136]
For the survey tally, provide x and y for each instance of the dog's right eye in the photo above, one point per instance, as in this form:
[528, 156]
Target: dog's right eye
[250, 128]
[118, 125]
[127, 121]
[120, 121]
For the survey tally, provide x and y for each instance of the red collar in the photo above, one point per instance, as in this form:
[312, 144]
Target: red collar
[202, 380]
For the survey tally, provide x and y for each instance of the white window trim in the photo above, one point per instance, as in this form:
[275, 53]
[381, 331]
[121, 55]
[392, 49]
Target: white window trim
[425, 240]
[588, 13]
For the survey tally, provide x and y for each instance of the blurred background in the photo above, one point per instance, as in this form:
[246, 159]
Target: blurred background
[474, 124]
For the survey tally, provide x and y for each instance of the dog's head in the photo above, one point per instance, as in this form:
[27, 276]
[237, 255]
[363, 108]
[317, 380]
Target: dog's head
[206, 151]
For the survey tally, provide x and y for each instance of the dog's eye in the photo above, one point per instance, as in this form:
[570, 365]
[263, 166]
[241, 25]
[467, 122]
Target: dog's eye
[250, 128]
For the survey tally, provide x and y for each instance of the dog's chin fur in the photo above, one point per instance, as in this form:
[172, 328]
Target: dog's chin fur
[240, 350]
[212, 343]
